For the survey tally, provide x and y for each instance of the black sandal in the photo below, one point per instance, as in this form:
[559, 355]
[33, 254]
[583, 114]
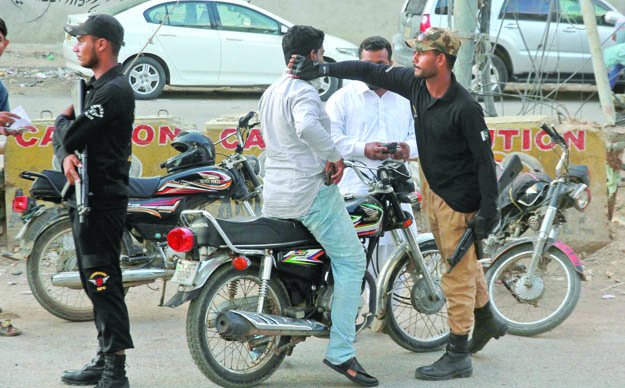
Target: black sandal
[361, 378]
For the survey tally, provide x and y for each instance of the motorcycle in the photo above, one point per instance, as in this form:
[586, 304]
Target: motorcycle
[155, 204]
[534, 282]
[259, 287]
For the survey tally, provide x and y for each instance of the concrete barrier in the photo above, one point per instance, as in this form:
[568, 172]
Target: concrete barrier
[585, 231]
[152, 136]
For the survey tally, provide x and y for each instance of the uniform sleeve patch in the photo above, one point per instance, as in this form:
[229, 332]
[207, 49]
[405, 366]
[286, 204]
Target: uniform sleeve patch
[485, 135]
[94, 111]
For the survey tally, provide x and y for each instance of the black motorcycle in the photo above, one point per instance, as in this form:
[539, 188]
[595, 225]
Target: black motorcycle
[193, 181]
[534, 282]
[260, 286]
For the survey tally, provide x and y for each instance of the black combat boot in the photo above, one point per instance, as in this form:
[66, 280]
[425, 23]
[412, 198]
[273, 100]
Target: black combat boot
[114, 375]
[487, 326]
[90, 374]
[456, 362]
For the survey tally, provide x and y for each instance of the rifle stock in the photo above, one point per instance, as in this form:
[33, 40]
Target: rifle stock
[468, 238]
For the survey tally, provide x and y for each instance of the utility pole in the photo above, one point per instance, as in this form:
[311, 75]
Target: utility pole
[601, 73]
[465, 24]
[489, 100]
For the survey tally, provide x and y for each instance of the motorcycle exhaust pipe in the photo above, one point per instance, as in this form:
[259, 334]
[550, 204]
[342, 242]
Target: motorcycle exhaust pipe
[244, 323]
[129, 276]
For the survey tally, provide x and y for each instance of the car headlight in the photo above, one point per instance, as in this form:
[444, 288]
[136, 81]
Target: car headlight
[348, 51]
[581, 197]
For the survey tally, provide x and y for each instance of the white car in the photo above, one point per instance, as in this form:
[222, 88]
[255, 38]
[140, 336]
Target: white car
[527, 37]
[203, 43]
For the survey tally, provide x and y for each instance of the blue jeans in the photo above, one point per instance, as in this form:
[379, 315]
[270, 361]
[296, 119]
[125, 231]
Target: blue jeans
[332, 226]
[614, 74]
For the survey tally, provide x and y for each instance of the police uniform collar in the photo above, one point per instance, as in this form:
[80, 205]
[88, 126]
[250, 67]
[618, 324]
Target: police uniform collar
[451, 91]
[106, 77]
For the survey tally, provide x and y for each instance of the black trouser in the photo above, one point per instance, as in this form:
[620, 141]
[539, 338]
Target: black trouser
[98, 245]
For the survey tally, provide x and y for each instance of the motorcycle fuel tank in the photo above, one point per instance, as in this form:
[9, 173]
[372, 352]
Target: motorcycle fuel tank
[367, 215]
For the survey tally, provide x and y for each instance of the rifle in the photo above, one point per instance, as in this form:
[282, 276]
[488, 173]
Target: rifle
[82, 187]
[468, 238]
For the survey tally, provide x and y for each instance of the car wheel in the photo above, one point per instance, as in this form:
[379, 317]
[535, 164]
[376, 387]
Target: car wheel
[327, 86]
[495, 82]
[146, 76]
[498, 74]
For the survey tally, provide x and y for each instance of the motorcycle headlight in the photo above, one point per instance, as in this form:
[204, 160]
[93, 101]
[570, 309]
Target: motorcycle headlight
[581, 197]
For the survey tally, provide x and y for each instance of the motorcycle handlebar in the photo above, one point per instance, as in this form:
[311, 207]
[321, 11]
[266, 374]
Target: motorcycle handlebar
[553, 134]
[243, 121]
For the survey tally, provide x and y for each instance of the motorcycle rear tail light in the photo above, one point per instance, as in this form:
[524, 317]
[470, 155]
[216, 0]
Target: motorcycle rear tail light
[425, 22]
[21, 203]
[241, 263]
[181, 239]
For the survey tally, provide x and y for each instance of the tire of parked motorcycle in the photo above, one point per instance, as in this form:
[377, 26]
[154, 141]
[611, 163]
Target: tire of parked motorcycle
[201, 337]
[505, 304]
[435, 333]
[55, 299]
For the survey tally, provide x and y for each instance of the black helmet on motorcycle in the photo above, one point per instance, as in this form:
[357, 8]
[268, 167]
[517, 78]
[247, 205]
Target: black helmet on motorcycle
[195, 150]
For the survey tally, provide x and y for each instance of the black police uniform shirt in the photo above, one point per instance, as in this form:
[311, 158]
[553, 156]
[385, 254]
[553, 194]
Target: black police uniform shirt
[454, 143]
[105, 127]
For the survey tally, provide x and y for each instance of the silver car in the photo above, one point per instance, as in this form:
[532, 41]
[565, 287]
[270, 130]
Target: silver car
[529, 36]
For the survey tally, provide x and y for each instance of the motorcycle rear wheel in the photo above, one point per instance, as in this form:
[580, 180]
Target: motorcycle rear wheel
[231, 362]
[408, 327]
[529, 312]
[54, 252]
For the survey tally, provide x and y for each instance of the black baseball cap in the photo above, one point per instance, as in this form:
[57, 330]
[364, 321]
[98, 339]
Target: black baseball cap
[100, 25]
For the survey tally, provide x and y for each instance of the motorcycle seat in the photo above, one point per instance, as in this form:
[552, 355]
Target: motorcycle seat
[143, 187]
[259, 232]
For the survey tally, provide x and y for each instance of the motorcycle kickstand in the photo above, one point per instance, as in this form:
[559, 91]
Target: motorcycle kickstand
[163, 293]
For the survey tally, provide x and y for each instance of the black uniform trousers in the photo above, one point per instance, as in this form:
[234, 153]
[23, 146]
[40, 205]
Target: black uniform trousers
[98, 245]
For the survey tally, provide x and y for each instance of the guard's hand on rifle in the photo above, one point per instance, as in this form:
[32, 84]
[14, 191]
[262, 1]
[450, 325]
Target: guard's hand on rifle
[69, 112]
[481, 226]
[305, 68]
[70, 164]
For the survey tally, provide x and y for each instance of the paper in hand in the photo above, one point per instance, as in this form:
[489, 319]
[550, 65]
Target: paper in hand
[23, 121]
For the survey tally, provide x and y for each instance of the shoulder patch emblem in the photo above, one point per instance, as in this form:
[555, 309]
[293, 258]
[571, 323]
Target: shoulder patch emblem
[485, 135]
[94, 111]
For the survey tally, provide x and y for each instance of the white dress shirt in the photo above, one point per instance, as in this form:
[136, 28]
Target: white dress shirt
[296, 130]
[360, 116]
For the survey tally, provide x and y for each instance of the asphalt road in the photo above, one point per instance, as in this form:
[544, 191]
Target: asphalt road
[585, 351]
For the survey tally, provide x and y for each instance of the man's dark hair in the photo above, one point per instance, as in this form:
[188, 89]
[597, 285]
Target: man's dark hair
[375, 43]
[301, 40]
[451, 59]
[3, 28]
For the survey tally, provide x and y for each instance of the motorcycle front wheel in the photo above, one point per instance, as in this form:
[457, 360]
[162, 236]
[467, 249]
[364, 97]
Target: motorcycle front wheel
[414, 321]
[54, 252]
[234, 362]
[537, 305]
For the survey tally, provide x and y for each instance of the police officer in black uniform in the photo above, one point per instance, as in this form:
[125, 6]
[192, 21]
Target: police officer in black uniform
[104, 129]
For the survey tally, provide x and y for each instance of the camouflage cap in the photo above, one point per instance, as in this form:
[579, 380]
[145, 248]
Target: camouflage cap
[436, 38]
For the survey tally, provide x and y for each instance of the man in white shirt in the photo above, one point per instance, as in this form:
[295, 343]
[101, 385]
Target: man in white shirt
[364, 117]
[300, 152]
